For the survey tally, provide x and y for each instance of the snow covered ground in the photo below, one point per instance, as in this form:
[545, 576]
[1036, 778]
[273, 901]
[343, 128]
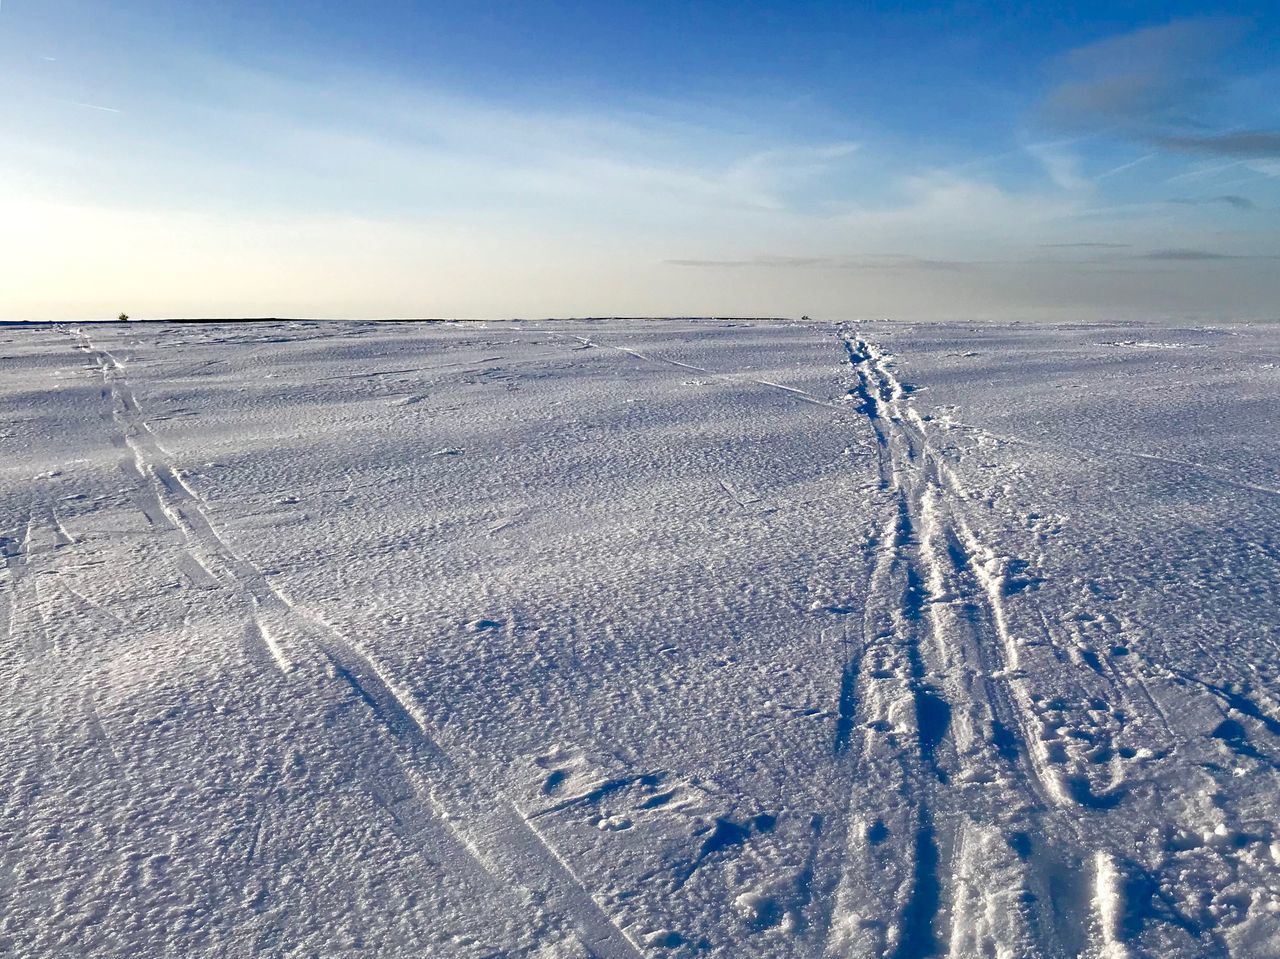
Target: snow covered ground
[620, 639]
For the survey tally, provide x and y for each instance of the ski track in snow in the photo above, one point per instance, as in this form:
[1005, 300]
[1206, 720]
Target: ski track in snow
[950, 724]
[489, 827]
[737, 378]
[998, 733]
[934, 616]
[1219, 474]
[937, 680]
[14, 551]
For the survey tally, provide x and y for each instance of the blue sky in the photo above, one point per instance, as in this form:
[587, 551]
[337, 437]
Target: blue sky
[476, 159]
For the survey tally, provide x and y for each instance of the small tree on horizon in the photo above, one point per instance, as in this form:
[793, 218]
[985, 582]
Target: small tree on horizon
[124, 317]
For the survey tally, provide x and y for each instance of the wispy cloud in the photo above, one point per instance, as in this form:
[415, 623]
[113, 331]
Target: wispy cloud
[1204, 172]
[866, 261]
[1245, 144]
[1226, 199]
[1061, 166]
[90, 106]
[360, 145]
[1188, 255]
[1163, 86]
[1109, 253]
[1121, 168]
[1101, 254]
[1152, 78]
[1085, 246]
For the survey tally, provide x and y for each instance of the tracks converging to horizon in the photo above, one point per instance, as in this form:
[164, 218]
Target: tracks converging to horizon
[934, 691]
[985, 812]
[487, 836]
[1005, 781]
[984, 745]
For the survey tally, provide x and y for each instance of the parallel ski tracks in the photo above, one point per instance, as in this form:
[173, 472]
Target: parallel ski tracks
[14, 550]
[942, 726]
[937, 734]
[936, 731]
[739, 378]
[1001, 789]
[443, 811]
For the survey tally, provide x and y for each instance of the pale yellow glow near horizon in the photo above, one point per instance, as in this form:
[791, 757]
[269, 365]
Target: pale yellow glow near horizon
[63, 261]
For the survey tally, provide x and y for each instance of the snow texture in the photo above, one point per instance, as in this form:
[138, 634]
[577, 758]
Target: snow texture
[623, 639]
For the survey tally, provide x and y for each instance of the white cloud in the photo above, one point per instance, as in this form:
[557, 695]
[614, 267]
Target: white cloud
[1061, 166]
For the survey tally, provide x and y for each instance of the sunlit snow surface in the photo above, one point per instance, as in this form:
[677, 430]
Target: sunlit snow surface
[618, 639]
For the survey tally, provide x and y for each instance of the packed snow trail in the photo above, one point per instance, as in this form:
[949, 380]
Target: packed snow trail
[934, 615]
[942, 728]
[974, 696]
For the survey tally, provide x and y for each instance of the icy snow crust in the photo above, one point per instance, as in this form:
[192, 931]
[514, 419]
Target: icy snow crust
[625, 639]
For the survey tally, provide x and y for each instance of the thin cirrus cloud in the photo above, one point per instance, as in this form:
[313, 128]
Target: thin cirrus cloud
[1085, 245]
[1164, 86]
[1226, 199]
[1246, 144]
[354, 144]
[866, 261]
[1189, 256]
[1103, 253]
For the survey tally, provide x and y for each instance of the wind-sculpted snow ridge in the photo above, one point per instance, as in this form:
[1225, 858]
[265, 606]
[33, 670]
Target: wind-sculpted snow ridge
[675, 638]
